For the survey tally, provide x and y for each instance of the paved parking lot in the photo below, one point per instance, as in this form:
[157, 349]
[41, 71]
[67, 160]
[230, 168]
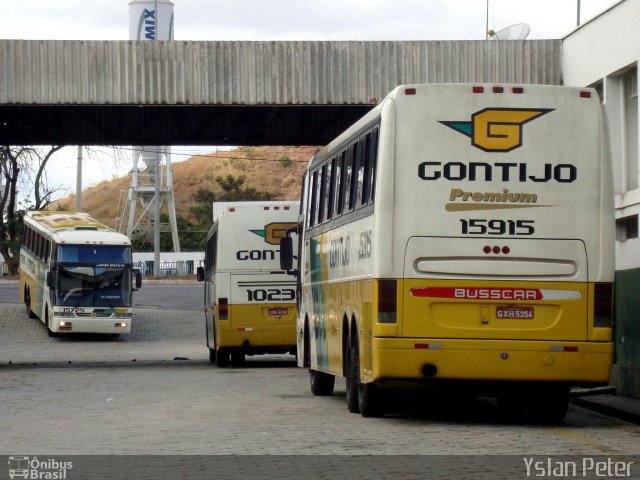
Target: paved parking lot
[154, 392]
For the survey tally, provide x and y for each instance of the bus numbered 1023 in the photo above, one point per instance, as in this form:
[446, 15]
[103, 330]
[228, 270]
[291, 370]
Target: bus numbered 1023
[76, 274]
[460, 234]
[249, 303]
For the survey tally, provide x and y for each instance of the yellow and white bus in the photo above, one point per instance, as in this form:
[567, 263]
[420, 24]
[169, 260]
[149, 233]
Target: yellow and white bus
[460, 234]
[249, 303]
[76, 274]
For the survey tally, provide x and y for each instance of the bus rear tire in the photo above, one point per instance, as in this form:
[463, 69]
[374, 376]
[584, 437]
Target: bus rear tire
[212, 355]
[223, 358]
[548, 405]
[370, 400]
[544, 404]
[365, 398]
[352, 376]
[237, 357]
[321, 383]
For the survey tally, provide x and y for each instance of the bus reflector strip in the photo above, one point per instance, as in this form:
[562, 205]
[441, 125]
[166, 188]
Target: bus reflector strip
[428, 346]
[409, 91]
[475, 293]
[245, 329]
[563, 348]
[495, 293]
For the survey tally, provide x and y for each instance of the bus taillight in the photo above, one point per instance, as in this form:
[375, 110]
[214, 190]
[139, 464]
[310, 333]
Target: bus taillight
[223, 309]
[387, 301]
[603, 305]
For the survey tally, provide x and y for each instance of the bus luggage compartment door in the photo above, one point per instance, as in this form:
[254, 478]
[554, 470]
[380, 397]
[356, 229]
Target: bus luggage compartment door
[495, 288]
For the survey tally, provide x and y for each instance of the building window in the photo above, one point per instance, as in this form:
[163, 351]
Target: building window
[627, 228]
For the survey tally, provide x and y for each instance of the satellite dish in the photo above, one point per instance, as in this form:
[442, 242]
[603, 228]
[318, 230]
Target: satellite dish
[519, 31]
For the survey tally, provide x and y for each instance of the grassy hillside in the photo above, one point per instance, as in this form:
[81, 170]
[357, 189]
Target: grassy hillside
[277, 170]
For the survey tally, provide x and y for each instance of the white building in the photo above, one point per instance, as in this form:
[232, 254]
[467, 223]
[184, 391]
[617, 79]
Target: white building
[604, 53]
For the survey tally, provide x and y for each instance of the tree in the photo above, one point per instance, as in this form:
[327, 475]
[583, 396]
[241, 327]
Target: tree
[232, 191]
[17, 168]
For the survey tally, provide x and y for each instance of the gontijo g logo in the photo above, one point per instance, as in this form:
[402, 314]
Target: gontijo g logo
[273, 232]
[497, 129]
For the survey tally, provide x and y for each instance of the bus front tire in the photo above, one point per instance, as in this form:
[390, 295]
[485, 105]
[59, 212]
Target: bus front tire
[50, 332]
[321, 383]
[212, 355]
[223, 358]
[27, 305]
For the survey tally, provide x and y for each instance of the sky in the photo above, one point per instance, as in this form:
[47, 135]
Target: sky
[277, 20]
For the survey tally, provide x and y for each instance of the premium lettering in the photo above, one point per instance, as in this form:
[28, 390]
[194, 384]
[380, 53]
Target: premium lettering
[505, 196]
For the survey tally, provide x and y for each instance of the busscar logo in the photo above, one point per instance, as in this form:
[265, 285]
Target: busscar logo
[497, 129]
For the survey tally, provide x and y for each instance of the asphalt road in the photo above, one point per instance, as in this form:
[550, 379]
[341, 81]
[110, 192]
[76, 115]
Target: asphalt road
[154, 294]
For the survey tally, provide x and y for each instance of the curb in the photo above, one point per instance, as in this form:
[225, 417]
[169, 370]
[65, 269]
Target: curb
[624, 408]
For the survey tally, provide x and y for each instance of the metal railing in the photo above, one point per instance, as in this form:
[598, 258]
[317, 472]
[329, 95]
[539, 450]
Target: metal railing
[168, 268]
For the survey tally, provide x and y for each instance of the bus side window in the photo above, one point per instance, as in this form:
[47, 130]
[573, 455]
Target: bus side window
[348, 175]
[340, 177]
[352, 184]
[214, 250]
[332, 189]
[322, 194]
[374, 162]
[365, 184]
[40, 247]
[312, 200]
[30, 241]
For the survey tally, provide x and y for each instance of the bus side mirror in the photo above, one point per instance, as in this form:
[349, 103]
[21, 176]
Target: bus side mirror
[286, 253]
[138, 279]
[50, 279]
[200, 274]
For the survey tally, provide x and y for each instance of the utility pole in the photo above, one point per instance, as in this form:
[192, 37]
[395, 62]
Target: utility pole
[158, 177]
[79, 181]
[578, 20]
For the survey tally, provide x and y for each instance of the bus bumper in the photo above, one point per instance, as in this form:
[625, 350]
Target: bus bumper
[257, 336]
[577, 363]
[91, 325]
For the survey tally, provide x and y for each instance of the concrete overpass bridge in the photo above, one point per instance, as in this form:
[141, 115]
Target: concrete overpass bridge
[233, 93]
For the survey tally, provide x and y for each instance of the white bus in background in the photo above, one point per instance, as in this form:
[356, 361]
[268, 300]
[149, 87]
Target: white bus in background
[76, 274]
[461, 234]
[249, 303]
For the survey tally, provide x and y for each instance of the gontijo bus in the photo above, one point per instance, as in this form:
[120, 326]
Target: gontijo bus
[461, 233]
[76, 274]
[249, 302]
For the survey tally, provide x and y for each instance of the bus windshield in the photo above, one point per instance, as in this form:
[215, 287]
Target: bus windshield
[98, 254]
[93, 286]
[93, 275]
